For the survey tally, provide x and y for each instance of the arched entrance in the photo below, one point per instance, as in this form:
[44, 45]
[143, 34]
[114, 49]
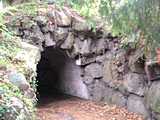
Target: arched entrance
[58, 74]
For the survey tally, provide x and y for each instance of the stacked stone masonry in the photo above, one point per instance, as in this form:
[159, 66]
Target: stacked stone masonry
[106, 70]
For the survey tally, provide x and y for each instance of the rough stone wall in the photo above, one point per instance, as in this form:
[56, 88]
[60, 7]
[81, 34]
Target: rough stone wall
[71, 80]
[106, 69]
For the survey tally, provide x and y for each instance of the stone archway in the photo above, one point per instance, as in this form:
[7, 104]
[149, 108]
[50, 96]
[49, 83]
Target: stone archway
[57, 73]
[88, 51]
[96, 66]
[85, 49]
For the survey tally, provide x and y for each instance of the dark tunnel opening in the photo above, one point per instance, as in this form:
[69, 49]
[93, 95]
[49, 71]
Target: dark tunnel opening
[49, 69]
[58, 76]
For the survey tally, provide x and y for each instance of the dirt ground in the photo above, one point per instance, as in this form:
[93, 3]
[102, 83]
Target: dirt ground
[72, 108]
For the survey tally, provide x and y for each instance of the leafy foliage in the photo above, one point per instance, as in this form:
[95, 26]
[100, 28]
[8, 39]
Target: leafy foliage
[3, 29]
[8, 49]
[29, 9]
[136, 20]
[25, 8]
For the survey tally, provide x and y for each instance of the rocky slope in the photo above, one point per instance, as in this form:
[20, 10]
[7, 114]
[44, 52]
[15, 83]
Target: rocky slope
[17, 75]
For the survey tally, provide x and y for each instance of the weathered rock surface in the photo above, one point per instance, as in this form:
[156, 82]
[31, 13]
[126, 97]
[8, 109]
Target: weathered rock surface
[63, 18]
[134, 83]
[94, 70]
[100, 59]
[108, 75]
[85, 47]
[88, 79]
[108, 72]
[29, 54]
[68, 43]
[136, 104]
[60, 34]
[96, 91]
[114, 97]
[15, 81]
[80, 25]
[19, 80]
[49, 40]
[152, 97]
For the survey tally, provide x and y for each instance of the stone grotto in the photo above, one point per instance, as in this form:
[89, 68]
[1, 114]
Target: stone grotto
[78, 61]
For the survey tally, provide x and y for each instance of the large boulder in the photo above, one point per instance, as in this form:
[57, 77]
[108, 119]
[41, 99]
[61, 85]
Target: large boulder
[114, 69]
[88, 79]
[81, 47]
[134, 83]
[134, 61]
[19, 80]
[63, 18]
[107, 71]
[100, 92]
[114, 97]
[29, 54]
[110, 74]
[34, 36]
[96, 90]
[80, 25]
[77, 46]
[60, 17]
[68, 43]
[49, 40]
[152, 98]
[136, 104]
[94, 70]
[102, 45]
[85, 49]
[118, 99]
[60, 34]
[100, 58]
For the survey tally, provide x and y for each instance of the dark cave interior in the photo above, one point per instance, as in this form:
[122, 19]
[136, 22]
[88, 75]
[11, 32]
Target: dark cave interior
[48, 71]
[59, 76]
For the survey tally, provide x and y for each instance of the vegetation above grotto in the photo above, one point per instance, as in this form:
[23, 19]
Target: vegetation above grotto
[137, 21]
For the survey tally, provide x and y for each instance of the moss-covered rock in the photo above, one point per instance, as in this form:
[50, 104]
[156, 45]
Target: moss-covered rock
[13, 104]
[17, 79]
